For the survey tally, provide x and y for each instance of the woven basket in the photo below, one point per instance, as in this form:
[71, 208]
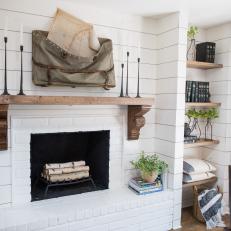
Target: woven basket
[196, 208]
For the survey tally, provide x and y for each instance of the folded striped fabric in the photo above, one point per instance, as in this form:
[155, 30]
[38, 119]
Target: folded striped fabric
[211, 206]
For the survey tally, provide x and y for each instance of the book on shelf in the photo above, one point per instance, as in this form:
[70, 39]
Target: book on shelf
[196, 91]
[141, 187]
[190, 139]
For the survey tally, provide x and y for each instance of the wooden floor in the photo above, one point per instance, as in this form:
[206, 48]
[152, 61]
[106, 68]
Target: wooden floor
[189, 223]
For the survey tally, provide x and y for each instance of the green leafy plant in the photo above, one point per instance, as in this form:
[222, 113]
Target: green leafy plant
[149, 164]
[202, 114]
[192, 114]
[212, 114]
[192, 31]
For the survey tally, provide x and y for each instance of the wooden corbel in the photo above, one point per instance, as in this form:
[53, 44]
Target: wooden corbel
[136, 120]
[3, 127]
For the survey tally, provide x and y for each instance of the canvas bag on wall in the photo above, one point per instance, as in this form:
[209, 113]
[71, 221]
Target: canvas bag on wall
[52, 65]
[73, 35]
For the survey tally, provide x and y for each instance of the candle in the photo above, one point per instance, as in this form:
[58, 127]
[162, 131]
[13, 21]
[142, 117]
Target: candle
[122, 46]
[21, 35]
[6, 26]
[139, 50]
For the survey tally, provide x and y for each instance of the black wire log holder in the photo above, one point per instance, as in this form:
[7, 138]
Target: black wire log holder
[50, 184]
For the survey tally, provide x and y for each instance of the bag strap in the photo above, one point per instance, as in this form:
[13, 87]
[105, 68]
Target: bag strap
[53, 67]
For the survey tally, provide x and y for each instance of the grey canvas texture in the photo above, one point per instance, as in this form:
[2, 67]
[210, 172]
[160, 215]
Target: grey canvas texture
[187, 167]
[54, 66]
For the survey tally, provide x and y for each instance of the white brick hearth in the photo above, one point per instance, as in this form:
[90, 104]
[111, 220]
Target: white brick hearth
[117, 209]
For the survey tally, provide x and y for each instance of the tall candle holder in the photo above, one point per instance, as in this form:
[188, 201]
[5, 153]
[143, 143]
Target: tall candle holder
[126, 95]
[122, 81]
[5, 92]
[138, 81]
[21, 77]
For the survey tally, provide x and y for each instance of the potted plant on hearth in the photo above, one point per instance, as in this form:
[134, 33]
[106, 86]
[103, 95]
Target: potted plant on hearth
[150, 166]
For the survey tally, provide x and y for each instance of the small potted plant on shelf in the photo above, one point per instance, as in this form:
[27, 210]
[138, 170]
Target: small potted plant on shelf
[210, 115]
[191, 52]
[193, 117]
[207, 115]
[150, 166]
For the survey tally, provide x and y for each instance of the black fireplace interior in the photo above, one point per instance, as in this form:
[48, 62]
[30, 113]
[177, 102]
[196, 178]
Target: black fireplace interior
[92, 146]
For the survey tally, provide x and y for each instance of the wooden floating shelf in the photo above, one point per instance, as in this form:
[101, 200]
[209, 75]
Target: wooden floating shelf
[201, 143]
[137, 107]
[201, 182]
[203, 65]
[209, 104]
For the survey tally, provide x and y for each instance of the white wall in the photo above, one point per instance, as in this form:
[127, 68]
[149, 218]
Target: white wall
[219, 155]
[169, 107]
[163, 71]
[108, 24]
[220, 86]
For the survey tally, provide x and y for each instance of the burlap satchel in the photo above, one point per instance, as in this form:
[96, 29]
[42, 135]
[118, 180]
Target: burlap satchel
[52, 65]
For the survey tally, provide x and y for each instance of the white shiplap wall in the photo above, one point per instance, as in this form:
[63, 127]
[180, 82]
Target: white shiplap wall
[169, 107]
[220, 87]
[108, 24]
[163, 43]
[220, 154]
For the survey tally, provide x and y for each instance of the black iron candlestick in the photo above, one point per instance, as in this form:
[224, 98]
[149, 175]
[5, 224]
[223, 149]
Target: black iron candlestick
[122, 81]
[21, 78]
[5, 92]
[126, 95]
[138, 81]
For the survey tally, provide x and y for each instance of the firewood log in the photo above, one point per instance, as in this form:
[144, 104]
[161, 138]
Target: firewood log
[65, 165]
[67, 176]
[58, 171]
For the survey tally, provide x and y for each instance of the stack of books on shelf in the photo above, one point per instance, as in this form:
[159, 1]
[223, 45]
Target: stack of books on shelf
[190, 139]
[197, 91]
[141, 187]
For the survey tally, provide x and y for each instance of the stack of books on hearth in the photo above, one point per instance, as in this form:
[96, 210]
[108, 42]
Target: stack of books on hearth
[141, 187]
[63, 172]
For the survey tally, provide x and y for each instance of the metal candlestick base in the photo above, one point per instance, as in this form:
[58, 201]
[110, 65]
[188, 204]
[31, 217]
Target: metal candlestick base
[138, 81]
[126, 95]
[122, 81]
[5, 92]
[21, 79]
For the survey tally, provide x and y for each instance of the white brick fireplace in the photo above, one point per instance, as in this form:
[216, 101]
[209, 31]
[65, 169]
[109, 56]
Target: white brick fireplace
[69, 120]
[163, 43]
[114, 209]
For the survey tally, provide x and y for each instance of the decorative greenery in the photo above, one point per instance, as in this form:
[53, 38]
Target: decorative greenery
[149, 164]
[202, 114]
[192, 31]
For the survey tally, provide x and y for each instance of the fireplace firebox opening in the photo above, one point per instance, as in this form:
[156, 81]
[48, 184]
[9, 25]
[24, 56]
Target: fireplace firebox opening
[69, 163]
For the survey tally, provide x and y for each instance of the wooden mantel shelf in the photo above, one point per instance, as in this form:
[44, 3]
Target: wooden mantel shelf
[73, 100]
[137, 107]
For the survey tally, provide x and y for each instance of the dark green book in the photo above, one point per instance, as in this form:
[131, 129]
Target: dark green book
[193, 91]
[197, 91]
[189, 91]
[207, 98]
[186, 91]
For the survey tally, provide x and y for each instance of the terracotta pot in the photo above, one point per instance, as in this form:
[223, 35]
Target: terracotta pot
[149, 178]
